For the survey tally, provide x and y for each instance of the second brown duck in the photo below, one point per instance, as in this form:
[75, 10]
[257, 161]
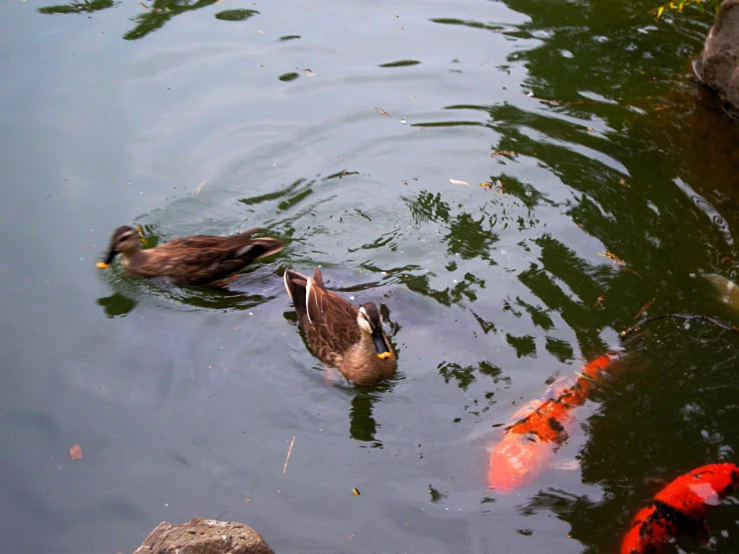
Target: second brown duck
[340, 334]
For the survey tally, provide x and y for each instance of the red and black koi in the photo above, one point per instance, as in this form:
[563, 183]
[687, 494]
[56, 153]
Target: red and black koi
[529, 443]
[680, 507]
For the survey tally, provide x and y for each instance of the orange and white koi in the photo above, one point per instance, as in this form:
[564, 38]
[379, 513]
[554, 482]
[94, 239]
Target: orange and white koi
[530, 442]
[680, 506]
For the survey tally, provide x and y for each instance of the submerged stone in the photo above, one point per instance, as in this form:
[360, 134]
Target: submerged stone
[718, 64]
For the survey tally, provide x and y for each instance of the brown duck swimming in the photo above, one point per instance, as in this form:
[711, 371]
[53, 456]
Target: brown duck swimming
[340, 334]
[197, 260]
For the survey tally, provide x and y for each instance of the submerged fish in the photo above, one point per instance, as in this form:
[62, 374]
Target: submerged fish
[727, 289]
[680, 506]
[541, 428]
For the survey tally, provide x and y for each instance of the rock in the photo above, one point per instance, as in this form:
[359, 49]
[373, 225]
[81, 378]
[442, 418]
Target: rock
[718, 64]
[204, 536]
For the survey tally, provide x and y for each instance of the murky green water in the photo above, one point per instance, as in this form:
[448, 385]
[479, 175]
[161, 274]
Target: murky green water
[338, 127]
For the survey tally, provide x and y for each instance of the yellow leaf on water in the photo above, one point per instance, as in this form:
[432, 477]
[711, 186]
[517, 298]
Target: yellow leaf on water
[355, 492]
[659, 11]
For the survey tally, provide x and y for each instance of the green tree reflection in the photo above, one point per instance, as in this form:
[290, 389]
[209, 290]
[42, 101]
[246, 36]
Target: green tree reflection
[155, 15]
[161, 11]
[86, 6]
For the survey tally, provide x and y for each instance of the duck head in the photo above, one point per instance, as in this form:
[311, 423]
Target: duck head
[124, 240]
[370, 322]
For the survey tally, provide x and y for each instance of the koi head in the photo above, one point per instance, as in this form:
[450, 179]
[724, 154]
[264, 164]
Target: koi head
[703, 488]
[724, 478]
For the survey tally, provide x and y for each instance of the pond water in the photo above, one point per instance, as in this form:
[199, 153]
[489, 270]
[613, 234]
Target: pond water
[337, 127]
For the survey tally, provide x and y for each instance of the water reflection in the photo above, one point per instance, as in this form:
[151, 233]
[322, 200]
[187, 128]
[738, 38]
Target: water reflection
[132, 290]
[159, 13]
[467, 235]
[362, 424]
[154, 15]
[86, 6]
[465, 376]
[400, 63]
[116, 305]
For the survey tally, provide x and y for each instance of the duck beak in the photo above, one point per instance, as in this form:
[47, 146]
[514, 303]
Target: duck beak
[382, 350]
[108, 259]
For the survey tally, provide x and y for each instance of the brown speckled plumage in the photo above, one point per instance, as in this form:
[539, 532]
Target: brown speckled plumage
[197, 260]
[333, 331]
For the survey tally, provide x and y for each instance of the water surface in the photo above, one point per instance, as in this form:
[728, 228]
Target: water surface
[337, 127]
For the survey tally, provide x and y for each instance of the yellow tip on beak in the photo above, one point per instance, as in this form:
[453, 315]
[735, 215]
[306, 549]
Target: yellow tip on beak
[384, 355]
[101, 265]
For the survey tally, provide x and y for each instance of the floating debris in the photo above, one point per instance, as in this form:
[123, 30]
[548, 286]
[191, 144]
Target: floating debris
[557, 102]
[497, 186]
[289, 451]
[200, 187]
[644, 308]
[458, 182]
[76, 452]
[615, 259]
[383, 112]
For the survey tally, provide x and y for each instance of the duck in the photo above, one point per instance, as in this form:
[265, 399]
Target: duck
[341, 335]
[191, 261]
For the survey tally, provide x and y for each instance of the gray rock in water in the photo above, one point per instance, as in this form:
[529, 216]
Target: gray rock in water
[718, 64]
[204, 536]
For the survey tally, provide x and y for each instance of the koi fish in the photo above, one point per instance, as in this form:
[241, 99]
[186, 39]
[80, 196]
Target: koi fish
[680, 506]
[540, 428]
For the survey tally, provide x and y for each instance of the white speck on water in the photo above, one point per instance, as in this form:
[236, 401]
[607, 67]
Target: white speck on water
[403, 121]
[351, 298]
[166, 505]
[454, 280]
